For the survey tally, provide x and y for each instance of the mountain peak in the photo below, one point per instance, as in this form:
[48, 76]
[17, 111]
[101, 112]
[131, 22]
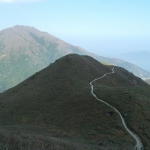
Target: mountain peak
[25, 50]
[59, 98]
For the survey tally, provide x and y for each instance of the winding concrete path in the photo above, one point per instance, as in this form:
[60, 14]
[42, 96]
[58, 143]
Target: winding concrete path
[139, 145]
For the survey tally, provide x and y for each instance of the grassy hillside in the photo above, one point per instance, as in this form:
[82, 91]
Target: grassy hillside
[25, 50]
[56, 102]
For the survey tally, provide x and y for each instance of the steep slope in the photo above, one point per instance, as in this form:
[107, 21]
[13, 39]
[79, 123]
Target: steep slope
[25, 50]
[58, 97]
[137, 71]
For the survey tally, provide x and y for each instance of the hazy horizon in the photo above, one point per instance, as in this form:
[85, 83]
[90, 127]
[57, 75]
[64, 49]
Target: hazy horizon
[107, 28]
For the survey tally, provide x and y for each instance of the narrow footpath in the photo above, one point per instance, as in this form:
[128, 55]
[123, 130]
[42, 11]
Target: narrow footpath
[139, 145]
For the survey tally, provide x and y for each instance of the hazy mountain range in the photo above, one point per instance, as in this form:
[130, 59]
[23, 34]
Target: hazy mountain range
[148, 81]
[141, 58]
[25, 50]
[56, 103]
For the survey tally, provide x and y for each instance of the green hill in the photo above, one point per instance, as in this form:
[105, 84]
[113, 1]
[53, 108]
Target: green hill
[57, 103]
[25, 50]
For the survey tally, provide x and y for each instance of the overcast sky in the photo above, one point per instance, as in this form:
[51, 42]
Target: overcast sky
[105, 27]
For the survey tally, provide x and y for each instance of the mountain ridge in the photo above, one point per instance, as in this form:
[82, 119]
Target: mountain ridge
[59, 99]
[25, 50]
[141, 58]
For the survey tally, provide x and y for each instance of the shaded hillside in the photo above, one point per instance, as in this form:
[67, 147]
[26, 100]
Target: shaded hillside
[25, 50]
[59, 99]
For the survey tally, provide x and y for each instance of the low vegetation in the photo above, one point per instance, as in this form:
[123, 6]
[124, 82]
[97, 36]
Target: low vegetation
[56, 103]
[18, 140]
[133, 103]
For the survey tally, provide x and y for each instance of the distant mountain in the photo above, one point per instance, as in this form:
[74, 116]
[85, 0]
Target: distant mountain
[25, 50]
[141, 58]
[58, 98]
[148, 81]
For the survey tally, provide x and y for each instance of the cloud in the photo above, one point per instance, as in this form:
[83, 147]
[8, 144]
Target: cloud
[17, 1]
